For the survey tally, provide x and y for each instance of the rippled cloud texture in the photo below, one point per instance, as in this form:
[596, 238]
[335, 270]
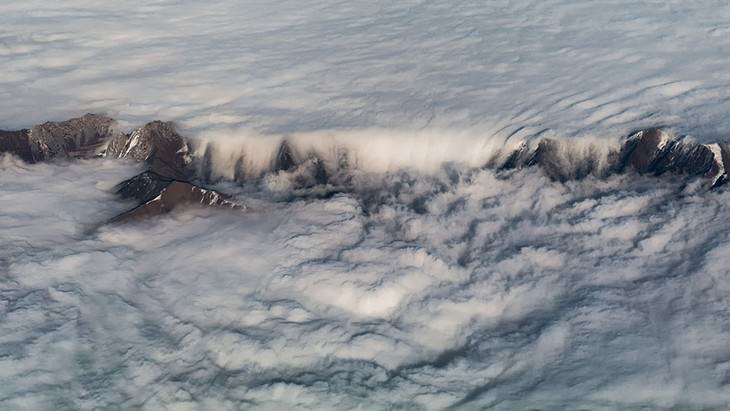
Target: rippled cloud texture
[428, 283]
[593, 67]
[467, 289]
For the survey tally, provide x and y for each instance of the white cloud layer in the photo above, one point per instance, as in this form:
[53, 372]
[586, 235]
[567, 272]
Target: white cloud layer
[464, 289]
[595, 67]
[443, 286]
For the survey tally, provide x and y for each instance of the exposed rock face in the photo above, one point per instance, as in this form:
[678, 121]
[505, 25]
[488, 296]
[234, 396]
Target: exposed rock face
[176, 194]
[158, 144]
[642, 149]
[16, 143]
[76, 138]
[655, 152]
[160, 189]
[143, 187]
[652, 151]
[164, 186]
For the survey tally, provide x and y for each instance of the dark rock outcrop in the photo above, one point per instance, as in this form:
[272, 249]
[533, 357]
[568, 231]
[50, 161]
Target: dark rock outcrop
[143, 187]
[16, 143]
[641, 150]
[655, 151]
[165, 185]
[156, 143]
[79, 137]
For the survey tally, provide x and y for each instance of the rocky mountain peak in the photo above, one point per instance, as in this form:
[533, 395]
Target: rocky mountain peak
[80, 137]
[156, 143]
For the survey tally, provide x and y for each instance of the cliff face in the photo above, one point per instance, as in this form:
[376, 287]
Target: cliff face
[17, 143]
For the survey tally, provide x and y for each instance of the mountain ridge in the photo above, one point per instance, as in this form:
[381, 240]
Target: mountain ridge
[173, 177]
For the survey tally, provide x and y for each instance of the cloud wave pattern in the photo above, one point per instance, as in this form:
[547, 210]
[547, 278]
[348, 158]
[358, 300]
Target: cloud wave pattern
[429, 283]
[519, 67]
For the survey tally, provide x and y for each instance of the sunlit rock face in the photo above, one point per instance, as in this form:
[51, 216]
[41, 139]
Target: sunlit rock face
[655, 151]
[175, 194]
[365, 205]
[80, 137]
[157, 144]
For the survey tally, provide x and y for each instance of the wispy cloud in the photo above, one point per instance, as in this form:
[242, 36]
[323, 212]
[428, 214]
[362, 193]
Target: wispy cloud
[592, 68]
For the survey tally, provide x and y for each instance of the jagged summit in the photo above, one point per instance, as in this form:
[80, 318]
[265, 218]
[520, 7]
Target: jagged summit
[156, 143]
[656, 151]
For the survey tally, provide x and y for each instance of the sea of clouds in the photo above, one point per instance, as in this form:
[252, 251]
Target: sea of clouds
[465, 289]
[596, 67]
[425, 282]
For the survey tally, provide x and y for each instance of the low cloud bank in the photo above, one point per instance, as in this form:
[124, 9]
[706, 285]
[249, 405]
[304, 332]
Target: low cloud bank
[465, 289]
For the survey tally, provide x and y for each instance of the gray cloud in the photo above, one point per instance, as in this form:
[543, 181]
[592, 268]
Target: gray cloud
[466, 289]
[596, 68]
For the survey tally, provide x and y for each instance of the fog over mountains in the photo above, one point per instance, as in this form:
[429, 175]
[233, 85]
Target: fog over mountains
[175, 168]
[332, 205]
[140, 275]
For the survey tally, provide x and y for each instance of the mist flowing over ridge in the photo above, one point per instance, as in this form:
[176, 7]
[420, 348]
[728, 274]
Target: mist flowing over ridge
[331, 157]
